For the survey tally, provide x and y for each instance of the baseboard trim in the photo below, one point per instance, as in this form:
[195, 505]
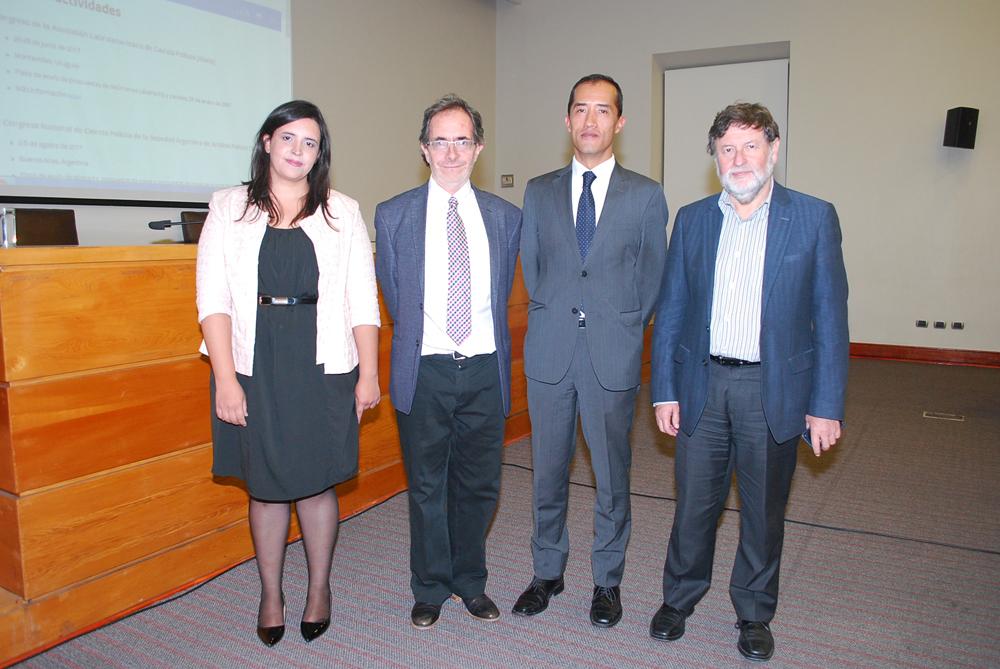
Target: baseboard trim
[938, 356]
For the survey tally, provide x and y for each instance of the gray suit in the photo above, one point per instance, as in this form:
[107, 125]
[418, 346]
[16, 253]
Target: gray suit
[592, 371]
[450, 412]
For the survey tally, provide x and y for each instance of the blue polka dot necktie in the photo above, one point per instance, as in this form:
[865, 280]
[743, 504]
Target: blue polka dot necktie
[586, 216]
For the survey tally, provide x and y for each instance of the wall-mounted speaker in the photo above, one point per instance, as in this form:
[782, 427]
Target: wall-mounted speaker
[960, 127]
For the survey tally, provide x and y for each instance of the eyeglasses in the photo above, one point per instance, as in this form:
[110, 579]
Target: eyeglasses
[443, 144]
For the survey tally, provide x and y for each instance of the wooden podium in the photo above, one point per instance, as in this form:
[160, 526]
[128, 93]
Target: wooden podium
[107, 502]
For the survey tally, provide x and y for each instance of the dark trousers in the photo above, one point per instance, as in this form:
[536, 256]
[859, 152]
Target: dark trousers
[452, 443]
[732, 434]
[606, 418]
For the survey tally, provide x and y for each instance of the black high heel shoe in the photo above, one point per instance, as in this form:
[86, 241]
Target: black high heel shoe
[313, 630]
[272, 635]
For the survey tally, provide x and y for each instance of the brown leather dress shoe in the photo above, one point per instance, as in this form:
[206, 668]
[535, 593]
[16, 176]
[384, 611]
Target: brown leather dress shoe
[756, 641]
[424, 615]
[667, 624]
[535, 598]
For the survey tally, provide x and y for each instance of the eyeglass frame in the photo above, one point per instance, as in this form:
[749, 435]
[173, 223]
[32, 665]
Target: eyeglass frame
[461, 144]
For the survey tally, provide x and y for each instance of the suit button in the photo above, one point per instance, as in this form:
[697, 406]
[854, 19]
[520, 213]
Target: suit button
[575, 310]
[583, 273]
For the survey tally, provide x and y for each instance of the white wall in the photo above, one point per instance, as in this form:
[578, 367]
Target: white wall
[869, 86]
[374, 66]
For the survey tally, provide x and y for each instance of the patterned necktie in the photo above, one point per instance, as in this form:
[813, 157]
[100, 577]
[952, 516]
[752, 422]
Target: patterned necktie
[586, 216]
[459, 278]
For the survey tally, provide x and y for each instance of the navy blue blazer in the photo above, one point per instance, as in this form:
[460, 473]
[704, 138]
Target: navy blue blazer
[400, 233]
[804, 343]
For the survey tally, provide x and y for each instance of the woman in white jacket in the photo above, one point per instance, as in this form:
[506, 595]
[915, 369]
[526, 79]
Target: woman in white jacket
[289, 311]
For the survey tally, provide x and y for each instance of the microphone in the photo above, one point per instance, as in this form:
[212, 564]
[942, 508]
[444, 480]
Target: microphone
[163, 225]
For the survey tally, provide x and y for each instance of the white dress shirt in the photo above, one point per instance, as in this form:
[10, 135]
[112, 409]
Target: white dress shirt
[436, 339]
[739, 281]
[599, 187]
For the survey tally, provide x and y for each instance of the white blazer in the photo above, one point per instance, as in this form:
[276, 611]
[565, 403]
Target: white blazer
[227, 276]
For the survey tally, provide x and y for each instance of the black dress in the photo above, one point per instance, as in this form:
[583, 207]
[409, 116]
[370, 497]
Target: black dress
[301, 435]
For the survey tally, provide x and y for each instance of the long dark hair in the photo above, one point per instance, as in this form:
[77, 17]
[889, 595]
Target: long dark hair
[259, 185]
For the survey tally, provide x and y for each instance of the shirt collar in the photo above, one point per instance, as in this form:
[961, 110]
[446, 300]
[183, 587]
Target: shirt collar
[436, 193]
[602, 172]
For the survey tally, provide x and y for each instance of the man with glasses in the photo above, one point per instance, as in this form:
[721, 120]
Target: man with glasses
[592, 251]
[445, 258]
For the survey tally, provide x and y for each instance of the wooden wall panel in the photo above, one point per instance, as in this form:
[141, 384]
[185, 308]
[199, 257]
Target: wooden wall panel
[69, 318]
[11, 573]
[79, 530]
[57, 616]
[384, 356]
[518, 293]
[371, 488]
[71, 426]
[6, 445]
[517, 426]
[379, 437]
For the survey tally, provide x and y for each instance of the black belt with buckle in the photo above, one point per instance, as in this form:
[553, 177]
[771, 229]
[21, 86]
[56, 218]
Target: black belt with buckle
[286, 301]
[732, 362]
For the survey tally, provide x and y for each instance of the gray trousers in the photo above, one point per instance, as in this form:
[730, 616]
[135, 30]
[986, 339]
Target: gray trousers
[606, 418]
[731, 435]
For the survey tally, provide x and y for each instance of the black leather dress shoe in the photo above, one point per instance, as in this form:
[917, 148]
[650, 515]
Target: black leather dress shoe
[606, 606]
[535, 599]
[756, 641]
[667, 624]
[424, 615]
[481, 607]
[312, 631]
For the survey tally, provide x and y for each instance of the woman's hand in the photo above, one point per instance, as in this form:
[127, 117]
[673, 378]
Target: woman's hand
[366, 394]
[230, 402]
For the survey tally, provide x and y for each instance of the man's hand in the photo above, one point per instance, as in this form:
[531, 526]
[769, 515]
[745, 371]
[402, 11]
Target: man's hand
[824, 433]
[668, 418]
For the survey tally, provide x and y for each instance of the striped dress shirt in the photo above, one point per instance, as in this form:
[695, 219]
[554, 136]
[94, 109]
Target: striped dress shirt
[739, 281]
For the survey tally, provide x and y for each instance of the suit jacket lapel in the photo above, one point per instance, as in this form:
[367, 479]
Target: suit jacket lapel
[563, 194]
[779, 226]
[713, 232]
[614, 201]
[417, 215]
[494, 234]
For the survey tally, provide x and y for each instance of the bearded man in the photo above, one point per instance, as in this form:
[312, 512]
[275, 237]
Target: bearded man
[750, 352]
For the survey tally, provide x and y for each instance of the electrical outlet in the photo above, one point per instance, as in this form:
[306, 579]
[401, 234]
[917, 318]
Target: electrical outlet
[921, 323]
[958, 325]
[506, 181]
[940, 325]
